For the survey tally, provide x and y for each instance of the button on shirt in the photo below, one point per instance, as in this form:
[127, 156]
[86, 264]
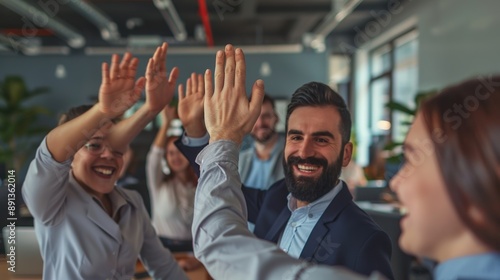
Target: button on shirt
[303, 220]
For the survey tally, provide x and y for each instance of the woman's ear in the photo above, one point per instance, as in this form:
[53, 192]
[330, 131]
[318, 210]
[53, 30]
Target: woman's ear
[476, 215]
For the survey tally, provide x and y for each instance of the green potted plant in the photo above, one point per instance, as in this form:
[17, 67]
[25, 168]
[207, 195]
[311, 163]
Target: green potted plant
[19, 122]
[395, 148]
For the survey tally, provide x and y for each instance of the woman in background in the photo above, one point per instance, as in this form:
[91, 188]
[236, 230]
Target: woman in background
[172, 192]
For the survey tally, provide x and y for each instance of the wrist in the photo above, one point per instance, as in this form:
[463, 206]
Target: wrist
[195, 130]
[221, 135]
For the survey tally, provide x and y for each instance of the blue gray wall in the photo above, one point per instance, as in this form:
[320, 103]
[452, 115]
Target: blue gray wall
[288, 72]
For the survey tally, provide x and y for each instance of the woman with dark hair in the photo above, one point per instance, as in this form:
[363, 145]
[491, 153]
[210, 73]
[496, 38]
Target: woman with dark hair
[172, 186]
[450, 182]
[86, 226]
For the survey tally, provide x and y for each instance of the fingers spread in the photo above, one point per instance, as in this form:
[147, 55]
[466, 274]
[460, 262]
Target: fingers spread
[127, 58]
[240, 74]
[105, 73]
[150, 72]
[257, 97]
[219, 72]
[115, 69]
[174, 74]
[188, 87]
[132, 68]
[230, 66]
[180, 90]
[209, 87]
[194, 82]
[200, 84]
[163, 58]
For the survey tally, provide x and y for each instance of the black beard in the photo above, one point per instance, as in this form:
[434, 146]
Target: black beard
[310, 189]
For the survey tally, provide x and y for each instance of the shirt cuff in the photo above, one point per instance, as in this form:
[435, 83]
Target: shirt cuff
[222, 150]
[194, 142]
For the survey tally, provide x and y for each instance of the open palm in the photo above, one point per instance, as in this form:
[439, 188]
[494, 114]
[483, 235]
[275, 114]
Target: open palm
[159, 88]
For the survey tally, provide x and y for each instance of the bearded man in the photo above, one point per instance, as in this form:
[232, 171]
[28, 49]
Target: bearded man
[310, 213]
[260, 165]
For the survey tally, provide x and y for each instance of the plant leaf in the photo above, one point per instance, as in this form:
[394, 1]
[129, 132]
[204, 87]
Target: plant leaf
[396, 106]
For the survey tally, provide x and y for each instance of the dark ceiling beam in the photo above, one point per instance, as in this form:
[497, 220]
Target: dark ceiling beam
[263, 16]
[30, 12]
[366, 7]
[248, 8]
[336, 16]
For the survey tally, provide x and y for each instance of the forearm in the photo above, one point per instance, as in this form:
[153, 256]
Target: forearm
[125, 131]
[65, 140]
[222, 241]
[161, 137]
[154, 174]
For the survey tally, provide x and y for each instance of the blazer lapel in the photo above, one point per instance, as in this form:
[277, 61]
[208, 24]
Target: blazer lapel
[278, 227]
[319, 245]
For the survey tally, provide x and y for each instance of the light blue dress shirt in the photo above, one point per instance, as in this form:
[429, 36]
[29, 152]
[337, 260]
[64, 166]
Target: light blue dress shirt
[475, 267]
[303, 220]
[259, 174]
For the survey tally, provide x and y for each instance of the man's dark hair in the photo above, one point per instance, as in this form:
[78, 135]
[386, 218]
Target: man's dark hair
[317, 94]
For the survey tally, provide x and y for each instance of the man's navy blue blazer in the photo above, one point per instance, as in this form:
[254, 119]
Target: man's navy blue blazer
[345, 235]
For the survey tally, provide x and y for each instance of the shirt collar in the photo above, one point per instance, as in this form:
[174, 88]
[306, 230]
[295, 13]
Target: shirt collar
[117, 196]
[480, 266]
[325, 199]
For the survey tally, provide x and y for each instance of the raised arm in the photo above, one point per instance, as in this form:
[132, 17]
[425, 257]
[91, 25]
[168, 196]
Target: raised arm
[159, 92]
[117, 93]
[167, 115]
[154, 170]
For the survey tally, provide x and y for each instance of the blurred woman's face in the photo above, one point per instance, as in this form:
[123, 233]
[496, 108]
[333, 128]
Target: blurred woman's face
[431, 227]
[175, 159]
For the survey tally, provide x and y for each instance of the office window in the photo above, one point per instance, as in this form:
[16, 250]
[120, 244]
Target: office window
[393, 77]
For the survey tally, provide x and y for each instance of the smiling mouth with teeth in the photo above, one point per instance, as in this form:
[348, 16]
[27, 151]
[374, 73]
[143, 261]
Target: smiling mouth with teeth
[307, 168]
[104, 171]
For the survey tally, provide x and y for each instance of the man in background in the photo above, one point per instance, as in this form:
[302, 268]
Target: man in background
[260, 165]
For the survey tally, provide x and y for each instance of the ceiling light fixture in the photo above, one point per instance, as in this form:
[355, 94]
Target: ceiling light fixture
[337, 15]
[41, 19]
[108, 28]
[172, 18]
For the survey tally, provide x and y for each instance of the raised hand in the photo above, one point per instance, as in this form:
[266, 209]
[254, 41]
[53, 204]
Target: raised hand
[191, 106]
[159, 89]
[228, 113]
[119, 90]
